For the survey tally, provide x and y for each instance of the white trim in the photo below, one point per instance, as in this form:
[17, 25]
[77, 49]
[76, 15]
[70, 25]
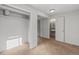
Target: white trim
[15, 9]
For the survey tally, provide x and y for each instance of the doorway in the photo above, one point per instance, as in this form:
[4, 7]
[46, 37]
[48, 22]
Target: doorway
[52, 28]
[38, 28]
[57, 28]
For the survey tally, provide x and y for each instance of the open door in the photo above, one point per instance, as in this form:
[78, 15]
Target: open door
[60, 28]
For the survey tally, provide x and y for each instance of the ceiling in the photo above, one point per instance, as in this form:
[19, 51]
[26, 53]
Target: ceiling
[59, 8]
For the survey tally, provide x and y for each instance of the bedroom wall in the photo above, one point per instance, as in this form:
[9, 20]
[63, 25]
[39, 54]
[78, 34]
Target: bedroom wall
[44, 28]
[71, 27]
[13, 26]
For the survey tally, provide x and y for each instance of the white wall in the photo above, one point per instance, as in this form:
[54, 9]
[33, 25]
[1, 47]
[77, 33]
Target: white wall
[32, 35]
[44, 28]
[33, 12]
[12, 26]
[71, 27]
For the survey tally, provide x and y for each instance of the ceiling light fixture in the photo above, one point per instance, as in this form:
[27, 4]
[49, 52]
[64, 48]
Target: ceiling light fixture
[52, 10]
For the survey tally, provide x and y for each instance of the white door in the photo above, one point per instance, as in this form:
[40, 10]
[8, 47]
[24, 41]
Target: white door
[60, 28]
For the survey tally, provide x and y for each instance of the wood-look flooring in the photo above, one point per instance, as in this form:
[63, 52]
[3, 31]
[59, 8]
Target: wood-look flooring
[45, 47]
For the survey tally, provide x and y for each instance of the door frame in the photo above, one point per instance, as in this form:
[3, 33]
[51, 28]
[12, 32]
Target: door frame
[55, 26]
[63, 27]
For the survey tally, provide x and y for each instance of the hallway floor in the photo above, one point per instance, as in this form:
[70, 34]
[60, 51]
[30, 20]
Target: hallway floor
[45, 47]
